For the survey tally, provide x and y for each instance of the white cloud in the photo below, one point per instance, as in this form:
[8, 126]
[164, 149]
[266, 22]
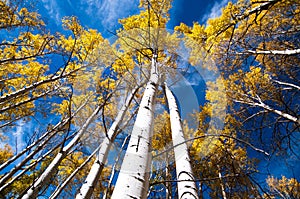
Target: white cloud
[215, 11]
[108, 11]
[18, 136]
[53, 9]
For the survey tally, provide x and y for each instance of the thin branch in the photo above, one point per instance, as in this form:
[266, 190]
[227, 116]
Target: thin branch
[214, 135]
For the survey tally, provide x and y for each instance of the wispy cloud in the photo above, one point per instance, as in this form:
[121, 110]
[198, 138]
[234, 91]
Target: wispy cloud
[53, 9]
[18, 136]
[215, 11]
[107, 12]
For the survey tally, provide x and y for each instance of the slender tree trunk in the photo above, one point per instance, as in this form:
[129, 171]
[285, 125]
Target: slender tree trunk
[114, 169]
[22, 91]
[276, 52]
[222, 186]
[44, 139]
[60, 187]
[96, 169]
[27, 168]
[167, 173]
[221, 183]
[186, 186]
[133, 179]
[45, 178]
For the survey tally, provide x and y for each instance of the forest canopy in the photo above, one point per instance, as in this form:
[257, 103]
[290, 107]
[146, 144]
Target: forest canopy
[208, 110]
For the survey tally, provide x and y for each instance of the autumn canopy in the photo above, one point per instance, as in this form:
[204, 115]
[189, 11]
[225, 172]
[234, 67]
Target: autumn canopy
[85, 116]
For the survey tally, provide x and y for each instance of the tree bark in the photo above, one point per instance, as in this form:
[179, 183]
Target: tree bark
[133, 179]
[40, 144]
[186, 185]
[45, 178]
[87, 188]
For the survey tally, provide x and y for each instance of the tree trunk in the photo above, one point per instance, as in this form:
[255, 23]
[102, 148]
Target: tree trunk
[44, 139]
[221, 183]
[186, 184]
[133, 179]
[45, 178]
[60, 187]
[96, 169]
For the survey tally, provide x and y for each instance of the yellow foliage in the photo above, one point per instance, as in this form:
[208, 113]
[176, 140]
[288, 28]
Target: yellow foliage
[218, 29]
[162, 131]
[70, 163]
[253, 83]
[123, 64]
[63, 108]
[12, 16]
[161, 7]
[284, 187]
[155, 17]
[5, 153]
[72, 23]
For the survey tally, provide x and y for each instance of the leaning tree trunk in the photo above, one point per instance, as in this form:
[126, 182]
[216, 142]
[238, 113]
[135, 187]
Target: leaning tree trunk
[186, 185]
[133, 179]
[39, 145]
[95, 172]
[46, 176]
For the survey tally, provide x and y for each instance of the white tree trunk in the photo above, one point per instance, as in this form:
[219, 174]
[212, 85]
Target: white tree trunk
[27, 168]
[186, 186]
[33, 191]
[222, 186]
[114, 169]
[40, 144]
[276, 52]
[60, 187]
[87, 188]
[221, 183]
[133, 179]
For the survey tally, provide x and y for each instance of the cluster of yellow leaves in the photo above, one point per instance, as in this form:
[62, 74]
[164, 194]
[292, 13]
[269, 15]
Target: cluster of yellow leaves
[162, 132]
[215, 148]
[215, 151]
[142, 21]
[237, 23]
[18, 186]
[277, 65]
[218, 29]
[72, 23]
[123, 64]
[201, 39]
[89, 51]
[62, 108]
[16, 76]
[12, 16]
[154, 15]
[160, 7]
[84, 43]
[284, 187]
[5, 153]
[20, 60]
[71, 163]
[254, 83]
[212, 112]
[144, 34]
[271, 20]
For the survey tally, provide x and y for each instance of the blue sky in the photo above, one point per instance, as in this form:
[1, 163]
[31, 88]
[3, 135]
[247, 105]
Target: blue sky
[103, 15]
